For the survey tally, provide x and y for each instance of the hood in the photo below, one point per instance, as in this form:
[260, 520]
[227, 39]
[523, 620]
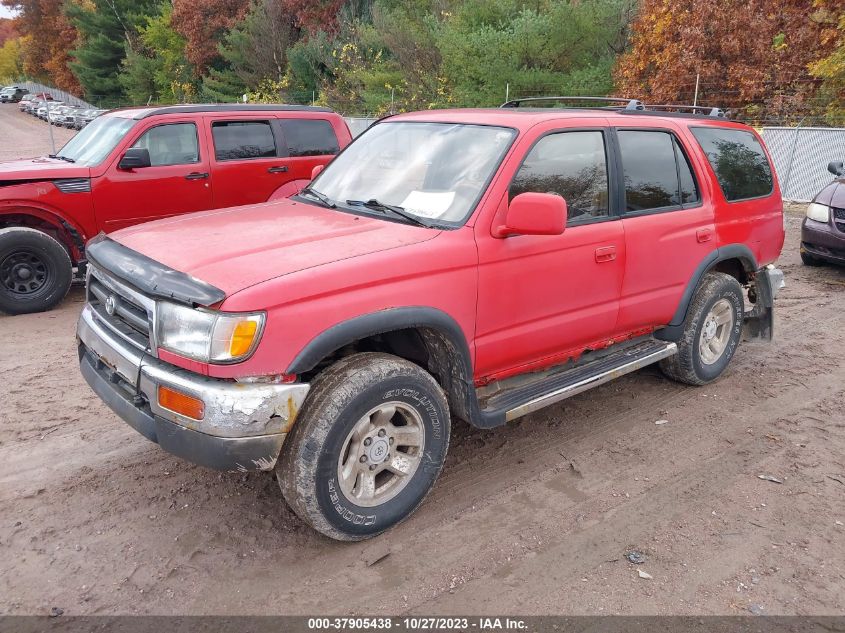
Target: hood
[233, 249]
[833, 195]
[40, 169]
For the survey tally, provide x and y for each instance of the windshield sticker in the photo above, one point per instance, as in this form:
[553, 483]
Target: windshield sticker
[429, 204]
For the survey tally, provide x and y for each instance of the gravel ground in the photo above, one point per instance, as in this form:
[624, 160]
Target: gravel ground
[533, 518]
[24, 136]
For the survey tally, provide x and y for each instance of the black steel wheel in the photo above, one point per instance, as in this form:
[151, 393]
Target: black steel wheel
[35, 271]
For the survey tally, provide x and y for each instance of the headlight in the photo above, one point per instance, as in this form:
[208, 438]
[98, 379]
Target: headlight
[818, 212]
[205, 335]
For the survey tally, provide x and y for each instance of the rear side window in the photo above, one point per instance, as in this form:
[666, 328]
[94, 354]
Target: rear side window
[240, 140]
[739, 161]
[309, 137]
[572, 165]
[657, 173]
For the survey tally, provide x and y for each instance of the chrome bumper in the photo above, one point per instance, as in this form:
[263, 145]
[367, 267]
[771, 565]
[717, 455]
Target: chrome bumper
[243, 426]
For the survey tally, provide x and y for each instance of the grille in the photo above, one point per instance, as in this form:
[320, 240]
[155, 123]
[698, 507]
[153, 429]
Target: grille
[839, 218]
[122, 312]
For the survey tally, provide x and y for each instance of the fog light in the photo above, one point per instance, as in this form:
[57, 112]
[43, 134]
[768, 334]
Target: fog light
[181, 403]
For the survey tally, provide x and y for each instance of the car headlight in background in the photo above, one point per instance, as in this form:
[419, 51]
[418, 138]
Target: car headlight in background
[818, 212]
[205, 335]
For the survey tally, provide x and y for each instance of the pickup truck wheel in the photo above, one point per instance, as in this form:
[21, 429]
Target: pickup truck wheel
[35, 271]
[711, 332]
[366, 447]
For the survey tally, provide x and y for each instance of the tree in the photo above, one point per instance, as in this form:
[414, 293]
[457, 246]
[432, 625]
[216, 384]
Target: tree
[752, 55]
[7, 30]
[252, 52]
[107, 29]
[157, 68]
[204, 24]
[11, 60]
[831, 71]
[48, 38]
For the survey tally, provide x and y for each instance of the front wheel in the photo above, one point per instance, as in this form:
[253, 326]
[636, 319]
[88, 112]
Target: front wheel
[367, 446]
[711, 331]
[35, 271]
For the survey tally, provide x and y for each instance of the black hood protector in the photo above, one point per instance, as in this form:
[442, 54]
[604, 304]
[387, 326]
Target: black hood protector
[149, 276]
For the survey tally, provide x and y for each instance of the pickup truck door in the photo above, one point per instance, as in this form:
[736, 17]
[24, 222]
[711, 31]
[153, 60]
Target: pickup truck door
[543, 298]
[178, 181]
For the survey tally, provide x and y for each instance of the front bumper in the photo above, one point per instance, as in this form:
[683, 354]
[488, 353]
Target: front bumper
[244, 424]
[823, 241]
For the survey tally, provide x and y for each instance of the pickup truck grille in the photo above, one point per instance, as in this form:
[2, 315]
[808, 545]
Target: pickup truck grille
[124, 311]
[839, 218]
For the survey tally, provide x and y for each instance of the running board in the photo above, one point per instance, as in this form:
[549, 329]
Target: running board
[527, 398]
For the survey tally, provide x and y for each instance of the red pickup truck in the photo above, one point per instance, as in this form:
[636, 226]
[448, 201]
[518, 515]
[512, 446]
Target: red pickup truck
[468, 264]
[138, 164]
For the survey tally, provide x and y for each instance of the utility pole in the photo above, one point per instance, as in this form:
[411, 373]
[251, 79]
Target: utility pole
[695, 98]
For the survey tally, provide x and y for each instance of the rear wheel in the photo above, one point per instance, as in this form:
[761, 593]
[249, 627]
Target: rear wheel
[367, 446]
[711, 332]
[35, 271]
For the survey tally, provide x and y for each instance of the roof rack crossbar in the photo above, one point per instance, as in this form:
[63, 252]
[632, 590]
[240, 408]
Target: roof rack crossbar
[695, 109]
[630, 104]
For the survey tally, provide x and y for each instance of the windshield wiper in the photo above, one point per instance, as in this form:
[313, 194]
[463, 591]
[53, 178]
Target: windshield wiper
[60, 157]
[375, 205]
[321, 197]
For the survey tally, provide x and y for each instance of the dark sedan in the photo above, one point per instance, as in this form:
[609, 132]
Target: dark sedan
[823, 230]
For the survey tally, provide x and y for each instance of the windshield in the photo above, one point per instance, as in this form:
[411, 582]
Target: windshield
[433, 171]
[96, 140]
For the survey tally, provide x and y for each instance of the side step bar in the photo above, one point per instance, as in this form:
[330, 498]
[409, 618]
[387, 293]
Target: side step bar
[528, 398]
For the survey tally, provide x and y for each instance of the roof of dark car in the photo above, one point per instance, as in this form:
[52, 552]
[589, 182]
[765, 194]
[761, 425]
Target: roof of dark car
[145, 112]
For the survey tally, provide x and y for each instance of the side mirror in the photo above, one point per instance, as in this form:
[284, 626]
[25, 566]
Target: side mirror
[316, 171]
[135, 158]
[836, 168]
[534, 214]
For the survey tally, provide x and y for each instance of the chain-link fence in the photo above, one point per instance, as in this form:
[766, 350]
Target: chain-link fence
[59, 95]
[801, 156]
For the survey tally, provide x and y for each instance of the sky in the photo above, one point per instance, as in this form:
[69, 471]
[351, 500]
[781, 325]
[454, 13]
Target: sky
[4, 12]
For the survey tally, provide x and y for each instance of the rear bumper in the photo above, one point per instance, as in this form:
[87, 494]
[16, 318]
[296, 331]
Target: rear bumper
[823, 241]
[244, 425]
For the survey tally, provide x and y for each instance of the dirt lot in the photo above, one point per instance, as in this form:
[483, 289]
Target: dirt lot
[533, 518]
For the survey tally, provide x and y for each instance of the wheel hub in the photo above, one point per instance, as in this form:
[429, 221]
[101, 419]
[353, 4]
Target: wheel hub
[378, 451]
[710, 329]
[23, 273]
[381, 453]
[716, 332]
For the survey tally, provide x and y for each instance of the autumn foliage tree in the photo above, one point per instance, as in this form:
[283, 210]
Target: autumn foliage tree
[751, 55]
[49, 37]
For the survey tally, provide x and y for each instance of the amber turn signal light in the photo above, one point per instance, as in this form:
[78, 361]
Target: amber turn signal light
[181, 403]
[242, 338]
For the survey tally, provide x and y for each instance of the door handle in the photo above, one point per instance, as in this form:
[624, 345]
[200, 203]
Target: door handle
[277, 170]
[704, 235]
[605, 254]
[197, 175]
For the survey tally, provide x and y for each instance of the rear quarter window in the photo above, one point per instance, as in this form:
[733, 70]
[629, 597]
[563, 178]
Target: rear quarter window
[309, 137]
[741, 166]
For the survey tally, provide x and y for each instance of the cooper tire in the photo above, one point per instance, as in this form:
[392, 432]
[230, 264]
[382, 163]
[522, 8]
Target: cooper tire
[707, 345]
[350, 403]
[35, 271]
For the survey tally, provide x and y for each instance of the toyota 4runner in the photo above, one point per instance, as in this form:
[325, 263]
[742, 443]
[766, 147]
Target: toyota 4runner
[138, 164]
[467, 264]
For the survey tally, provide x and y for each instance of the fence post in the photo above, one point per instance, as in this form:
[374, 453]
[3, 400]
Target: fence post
[785, 192]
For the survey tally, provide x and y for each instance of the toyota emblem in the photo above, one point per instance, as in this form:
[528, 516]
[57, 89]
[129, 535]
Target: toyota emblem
[111, 304]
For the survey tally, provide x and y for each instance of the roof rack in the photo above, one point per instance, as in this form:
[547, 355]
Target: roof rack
[627, 105]
[694, 109]
[630, 104]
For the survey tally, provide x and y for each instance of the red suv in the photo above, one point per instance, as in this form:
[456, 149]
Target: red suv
[135, 165]
[467, 264]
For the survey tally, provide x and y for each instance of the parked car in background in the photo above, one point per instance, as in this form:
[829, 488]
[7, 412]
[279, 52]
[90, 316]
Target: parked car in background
[12, 94]
[84, 117]
[823, 228]
[467, 264]
[56, 114]
[135, 165]
[69, 116]
[25, 100]
[39, 100]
